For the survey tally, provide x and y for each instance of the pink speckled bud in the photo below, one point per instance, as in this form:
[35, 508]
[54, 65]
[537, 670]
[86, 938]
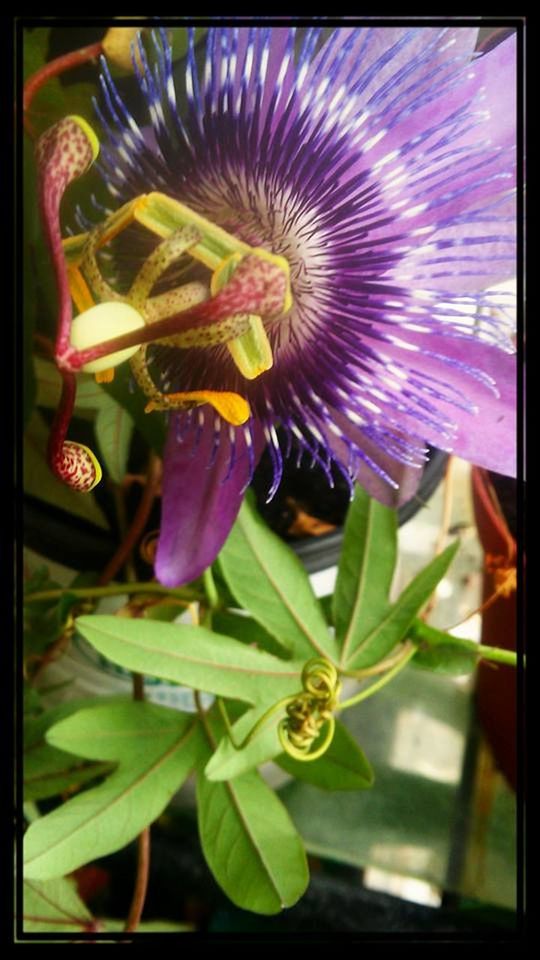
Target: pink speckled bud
[77, 466]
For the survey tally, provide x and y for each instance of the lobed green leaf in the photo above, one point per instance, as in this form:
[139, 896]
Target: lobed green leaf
[54, 906]
[228, 761]
[365, 572]
[395, 624]
[155, 748]
[193, 656]
[250, 843]
[269, 581]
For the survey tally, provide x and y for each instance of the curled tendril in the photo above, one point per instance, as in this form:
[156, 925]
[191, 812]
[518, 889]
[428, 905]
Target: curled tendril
[310, 711]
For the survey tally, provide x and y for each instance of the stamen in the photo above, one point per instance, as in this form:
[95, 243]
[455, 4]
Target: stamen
[231, 406]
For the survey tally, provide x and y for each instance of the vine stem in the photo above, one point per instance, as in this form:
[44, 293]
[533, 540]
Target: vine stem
[143, 845]
[141, 883]
[210, 588]
[53, 69]
[116, 590]
[407, 653]
[423, 632]
[153, 478]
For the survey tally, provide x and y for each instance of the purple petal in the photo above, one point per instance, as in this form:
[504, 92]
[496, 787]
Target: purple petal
[486, 437]
[404, 479]
[204, 479]
[379, 55]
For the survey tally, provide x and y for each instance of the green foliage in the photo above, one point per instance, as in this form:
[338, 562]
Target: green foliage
[250, 843]
[191, 655]
[48, 771]
[126, 759]
[155, 749]
[270, 582]
[394, 625]
[344, 766]
[365, 572]
[54, 906]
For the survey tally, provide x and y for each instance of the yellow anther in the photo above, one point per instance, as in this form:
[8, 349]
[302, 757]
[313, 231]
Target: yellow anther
[231, 406]
[105, 376]
[78, 287]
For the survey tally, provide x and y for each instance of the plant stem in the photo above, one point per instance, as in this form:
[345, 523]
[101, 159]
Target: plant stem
[407, 653]
[141, 883]
[116, 590]
[204, 720]
[139, 520]
[53, 69]
[212, 598]
[143, 845]
[210, 589]
[377, 668]
[423, 633]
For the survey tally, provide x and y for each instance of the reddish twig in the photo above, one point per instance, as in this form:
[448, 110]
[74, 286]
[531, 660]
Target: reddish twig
[53, 69]
[141, 883]
[139, 520]
[143, 846]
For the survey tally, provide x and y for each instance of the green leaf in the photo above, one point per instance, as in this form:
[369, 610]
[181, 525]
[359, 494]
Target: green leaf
[394, 626]
[251, 844]
[41, 483]
[179, 45]
[228, 762]
[48, 771]
[193, 656]
[114, 429]
[155, 748]
[365, 572]
[42, 619]
[90, 395]
[151, 426]
[35, 49]
[344, 766]
[54, 906]
[268, 579]
[447, 659]
[164, 611]
[245, 629]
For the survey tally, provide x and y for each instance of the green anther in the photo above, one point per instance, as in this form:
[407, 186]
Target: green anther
[163, 215]
[251, 351]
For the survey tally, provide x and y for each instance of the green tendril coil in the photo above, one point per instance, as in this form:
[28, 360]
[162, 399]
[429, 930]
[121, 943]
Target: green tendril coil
[311, 711]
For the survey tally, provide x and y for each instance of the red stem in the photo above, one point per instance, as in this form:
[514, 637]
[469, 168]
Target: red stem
[62, 419]
[138, 524]
[54, 69]
[141, 883]
[49, 203]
